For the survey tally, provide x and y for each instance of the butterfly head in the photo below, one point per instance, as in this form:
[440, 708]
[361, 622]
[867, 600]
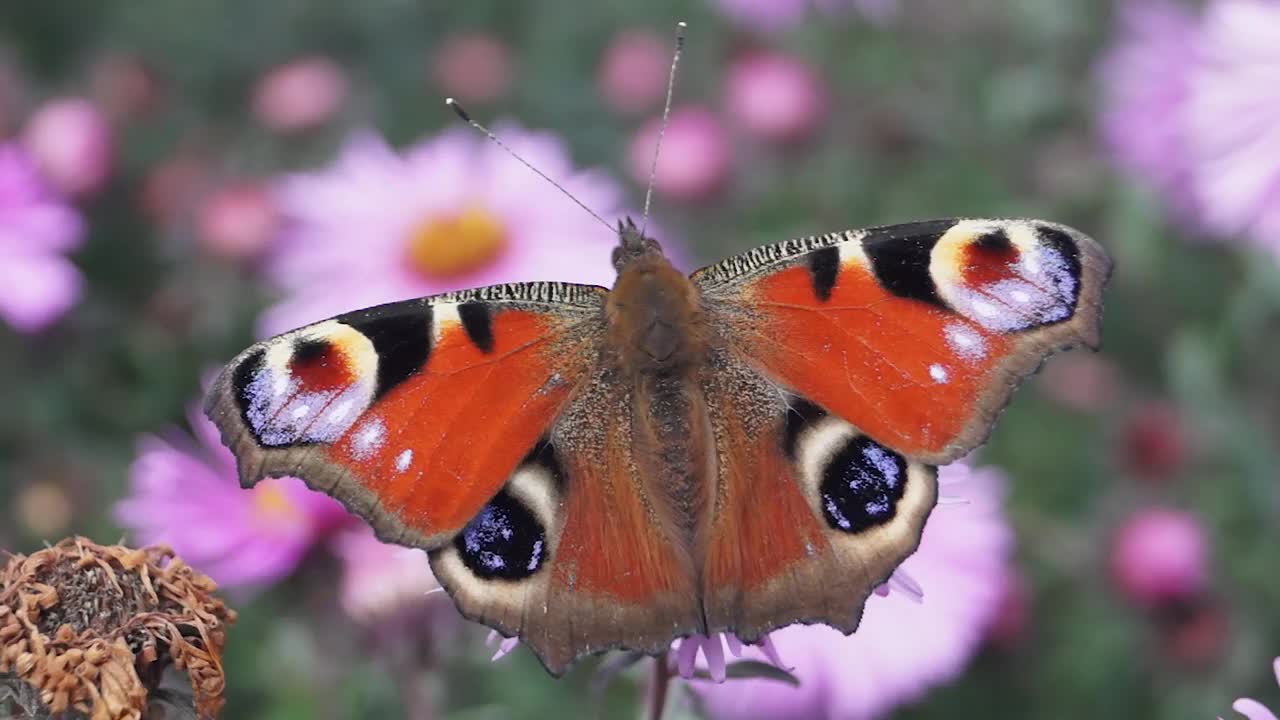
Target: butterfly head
[632, 245]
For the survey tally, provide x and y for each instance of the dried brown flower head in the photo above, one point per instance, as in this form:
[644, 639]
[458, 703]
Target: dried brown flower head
[91, 628]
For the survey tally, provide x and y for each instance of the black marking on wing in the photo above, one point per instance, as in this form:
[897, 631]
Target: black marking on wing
[504, 541]
[309, 350]
[800, 414]
[995, 242]
[824, 270]
[241, 378]
[544, 455]
[861, 485]
[1062, 243]
[900, 256]
[401, 336]
[477, 321]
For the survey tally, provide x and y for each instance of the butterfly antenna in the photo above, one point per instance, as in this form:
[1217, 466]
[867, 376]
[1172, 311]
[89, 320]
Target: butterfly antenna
[466, 117]
[662, 128]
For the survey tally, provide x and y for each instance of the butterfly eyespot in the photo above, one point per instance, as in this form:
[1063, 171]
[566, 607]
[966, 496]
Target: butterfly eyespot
[306, 387]
[861, 485]
[1008, 277]
[504, 542]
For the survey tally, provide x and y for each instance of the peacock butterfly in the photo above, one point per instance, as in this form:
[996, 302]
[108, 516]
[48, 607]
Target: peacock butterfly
[743, 448]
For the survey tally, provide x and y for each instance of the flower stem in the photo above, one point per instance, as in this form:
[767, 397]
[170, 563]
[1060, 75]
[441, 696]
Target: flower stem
[658, 686]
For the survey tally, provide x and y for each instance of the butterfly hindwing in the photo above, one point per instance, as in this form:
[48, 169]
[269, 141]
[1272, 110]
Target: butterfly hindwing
[916, 334]
[810, 513]
[599, 567]
[413, 414]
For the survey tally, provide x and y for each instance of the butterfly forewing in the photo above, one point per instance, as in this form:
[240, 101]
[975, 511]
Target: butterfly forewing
[916, 334]
[416, 413]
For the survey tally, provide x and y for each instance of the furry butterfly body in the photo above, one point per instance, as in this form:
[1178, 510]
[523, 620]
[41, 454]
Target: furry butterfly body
[740, 449]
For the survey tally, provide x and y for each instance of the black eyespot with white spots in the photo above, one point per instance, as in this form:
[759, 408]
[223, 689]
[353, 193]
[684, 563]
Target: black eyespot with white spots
[861, 485]
[504, 542]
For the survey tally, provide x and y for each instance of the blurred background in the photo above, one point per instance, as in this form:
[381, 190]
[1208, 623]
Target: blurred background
[180, 179]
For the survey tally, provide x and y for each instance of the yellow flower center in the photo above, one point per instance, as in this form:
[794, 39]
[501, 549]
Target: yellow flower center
[272, 505]
[453, 245]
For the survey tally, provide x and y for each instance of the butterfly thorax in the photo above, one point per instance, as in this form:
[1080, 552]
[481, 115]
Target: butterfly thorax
[654, 316]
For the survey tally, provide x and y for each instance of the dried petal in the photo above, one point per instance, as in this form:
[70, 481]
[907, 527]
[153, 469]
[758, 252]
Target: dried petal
[79, 621]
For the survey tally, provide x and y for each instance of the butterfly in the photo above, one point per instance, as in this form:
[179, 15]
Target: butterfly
[739, 449]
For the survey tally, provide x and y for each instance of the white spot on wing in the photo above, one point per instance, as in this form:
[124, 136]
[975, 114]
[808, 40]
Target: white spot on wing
[965, 341]
[443, 316]
[403, 460]
[938, 373]
[368, 438]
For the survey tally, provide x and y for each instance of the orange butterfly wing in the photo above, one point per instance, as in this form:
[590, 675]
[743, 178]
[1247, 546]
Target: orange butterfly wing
[413, 414]
[852, 364]
[916, 334]
[615, 576]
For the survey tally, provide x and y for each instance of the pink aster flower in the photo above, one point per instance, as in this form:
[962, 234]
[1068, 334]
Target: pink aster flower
[695, 158]
[1158, 556]
[71, 142]
[1145, 80]
[1233, 120]
[185, 494]
[454, 211]
[37, 283]
[632, 76]
[300, 94]
[381, 582]
[473, 67]
[1190, 106]
[237, 221]
[775, 96]
[917, 633]
[1254, 710]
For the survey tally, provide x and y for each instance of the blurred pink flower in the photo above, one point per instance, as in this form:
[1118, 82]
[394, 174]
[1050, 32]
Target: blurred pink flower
[1159, 555]
[775, 96]
[124, 86]
[1145, 79]
[472, 67]
[237, 221]
[695, 154]
[381, 582]
[71, 142]
[454, 211]
[300, 94]
[767, 16]
[185, 494]
[37, 283]
[1254, 710]
[907, 643]
[632, 76]
[1233, 120]
[1191, 106]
